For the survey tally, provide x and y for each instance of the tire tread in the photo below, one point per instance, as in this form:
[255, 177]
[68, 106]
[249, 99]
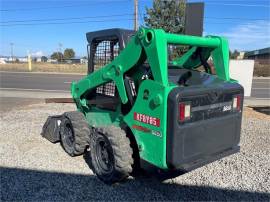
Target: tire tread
[81, 131]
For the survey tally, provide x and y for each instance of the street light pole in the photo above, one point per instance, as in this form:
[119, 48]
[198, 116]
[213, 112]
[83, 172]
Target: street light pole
[60, 50]
[11, 51]
[135, 15]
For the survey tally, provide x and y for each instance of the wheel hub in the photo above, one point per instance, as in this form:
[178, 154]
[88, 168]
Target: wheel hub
[104, 154]
[69, 136]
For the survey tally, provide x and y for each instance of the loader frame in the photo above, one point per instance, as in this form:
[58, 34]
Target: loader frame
[151, 101]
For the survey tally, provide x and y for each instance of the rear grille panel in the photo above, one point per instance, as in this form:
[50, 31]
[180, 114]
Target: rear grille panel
[209, 106]
[210, 129]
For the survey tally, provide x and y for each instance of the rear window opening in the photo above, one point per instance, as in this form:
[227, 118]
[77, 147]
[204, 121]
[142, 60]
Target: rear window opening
[176, 51]
[194, 70]
[187, 78]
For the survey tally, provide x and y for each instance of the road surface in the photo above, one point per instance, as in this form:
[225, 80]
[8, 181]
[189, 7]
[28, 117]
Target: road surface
[24, 85]
[18, 89]
[37, 81]
[260, 88]
[61, 82]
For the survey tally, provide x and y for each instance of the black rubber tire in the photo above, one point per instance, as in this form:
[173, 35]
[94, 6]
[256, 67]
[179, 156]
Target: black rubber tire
[118, 151]
[74, 133]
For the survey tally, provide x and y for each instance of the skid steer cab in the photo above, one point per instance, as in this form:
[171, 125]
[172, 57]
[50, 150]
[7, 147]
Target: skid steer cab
[153, 98]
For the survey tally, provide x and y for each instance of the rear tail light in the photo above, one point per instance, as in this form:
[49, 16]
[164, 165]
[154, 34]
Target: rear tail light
[237, 103]
[184, 111]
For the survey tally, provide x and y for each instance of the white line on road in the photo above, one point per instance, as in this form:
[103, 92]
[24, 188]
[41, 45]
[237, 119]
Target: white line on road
[68, 82]
[253, 98]
[261, 77]
[261, 81]
[30, 89]
[260, 88]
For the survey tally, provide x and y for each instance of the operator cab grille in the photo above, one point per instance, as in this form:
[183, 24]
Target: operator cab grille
[105, 52]
[107, 89]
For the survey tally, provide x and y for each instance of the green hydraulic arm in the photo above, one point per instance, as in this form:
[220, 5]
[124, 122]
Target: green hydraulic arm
[151, 44]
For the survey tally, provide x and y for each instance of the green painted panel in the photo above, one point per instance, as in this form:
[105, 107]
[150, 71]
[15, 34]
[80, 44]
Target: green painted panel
[111, 72]
[221, 59]
[155, 46]
[99, 117]
[152, 142]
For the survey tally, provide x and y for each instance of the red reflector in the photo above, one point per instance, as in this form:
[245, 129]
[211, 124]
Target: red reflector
[238, 102]
[181, 111]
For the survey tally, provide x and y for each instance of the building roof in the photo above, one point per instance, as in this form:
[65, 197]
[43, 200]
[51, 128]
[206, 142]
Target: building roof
[258, 52]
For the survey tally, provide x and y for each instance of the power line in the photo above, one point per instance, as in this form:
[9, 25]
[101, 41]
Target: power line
[59, 23]
[111, 1]
[225, 23]
[115, 20]
[240, 5]
[229, 4]
[230, 18]
[71, 18]
[252, 1]
[120, 15]
[63, 6]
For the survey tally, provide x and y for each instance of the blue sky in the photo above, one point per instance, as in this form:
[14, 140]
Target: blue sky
[250, 30]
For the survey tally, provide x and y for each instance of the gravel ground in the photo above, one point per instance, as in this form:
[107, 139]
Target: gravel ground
[33, 169]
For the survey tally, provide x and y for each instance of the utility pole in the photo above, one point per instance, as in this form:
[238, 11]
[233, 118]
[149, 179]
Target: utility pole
[135, 15]
[11, 51]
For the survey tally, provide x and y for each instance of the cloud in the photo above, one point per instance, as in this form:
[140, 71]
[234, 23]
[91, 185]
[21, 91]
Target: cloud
[37, 54]
[248, 36]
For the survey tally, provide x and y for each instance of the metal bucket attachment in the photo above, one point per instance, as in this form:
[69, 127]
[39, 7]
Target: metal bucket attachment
[51, 128]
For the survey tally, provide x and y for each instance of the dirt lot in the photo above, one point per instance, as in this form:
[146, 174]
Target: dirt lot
[33, 169]
[259, 69]
[45, 67]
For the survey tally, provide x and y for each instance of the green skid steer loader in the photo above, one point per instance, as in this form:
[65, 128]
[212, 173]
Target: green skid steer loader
[141, 103]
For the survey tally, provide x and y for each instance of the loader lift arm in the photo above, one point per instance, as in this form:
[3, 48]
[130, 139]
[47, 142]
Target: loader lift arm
[151, 44]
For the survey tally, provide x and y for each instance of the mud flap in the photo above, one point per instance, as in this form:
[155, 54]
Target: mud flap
[51, 128]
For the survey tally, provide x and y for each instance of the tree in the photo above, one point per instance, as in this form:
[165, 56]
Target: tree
[168, 15]
[57, 56]
[230, 53]
[235, 54]
[69, 53]
[44, 59]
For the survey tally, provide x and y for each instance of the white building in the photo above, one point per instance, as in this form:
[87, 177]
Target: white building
[22, 59]
[7, 59]
[51, 60]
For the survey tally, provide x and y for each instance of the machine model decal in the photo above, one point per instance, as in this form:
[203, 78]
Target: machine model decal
[156, 133]
[227, 108]
[146, 130]
[147, 119]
